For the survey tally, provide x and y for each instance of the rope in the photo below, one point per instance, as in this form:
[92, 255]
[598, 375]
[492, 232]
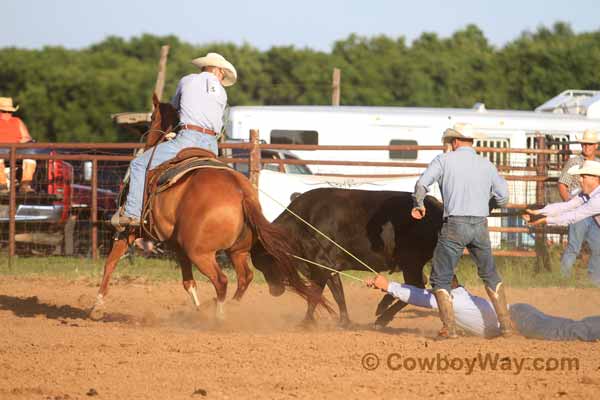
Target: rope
[319, 232]
[328, 268]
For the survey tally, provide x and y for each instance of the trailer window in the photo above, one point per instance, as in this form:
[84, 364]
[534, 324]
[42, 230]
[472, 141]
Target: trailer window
[403, 154]
[280, 136]
[500, 159]
[552, 142]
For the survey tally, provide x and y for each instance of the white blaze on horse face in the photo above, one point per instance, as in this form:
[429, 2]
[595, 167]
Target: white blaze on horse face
[194, 294]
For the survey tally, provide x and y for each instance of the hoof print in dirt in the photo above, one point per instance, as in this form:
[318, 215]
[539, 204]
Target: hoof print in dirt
[92, 392]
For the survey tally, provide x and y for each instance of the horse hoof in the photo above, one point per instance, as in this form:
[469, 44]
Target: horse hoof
[307, 324]
[220, 311]
[96, 314]
[346, 324]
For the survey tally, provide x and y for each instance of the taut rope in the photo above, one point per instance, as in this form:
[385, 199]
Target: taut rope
[320, 233]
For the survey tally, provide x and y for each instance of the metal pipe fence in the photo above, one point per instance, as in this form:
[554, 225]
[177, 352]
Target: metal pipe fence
[78, 184]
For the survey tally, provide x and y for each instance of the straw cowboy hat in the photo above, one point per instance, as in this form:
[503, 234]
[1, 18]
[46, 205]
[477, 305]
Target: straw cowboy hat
[588, 168]
[459, 131]
[589, 136]
[217, 60]
[6, 104]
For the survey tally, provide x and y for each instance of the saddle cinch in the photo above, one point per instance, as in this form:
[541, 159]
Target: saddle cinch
[166, 175]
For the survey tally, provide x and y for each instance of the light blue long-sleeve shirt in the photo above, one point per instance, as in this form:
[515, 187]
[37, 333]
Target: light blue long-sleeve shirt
[578, 208]
[467, 182]
[474, 314]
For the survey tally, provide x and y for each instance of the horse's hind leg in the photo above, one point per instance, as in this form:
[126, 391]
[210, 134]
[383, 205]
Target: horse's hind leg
[119, 248]
[245, 275]
[207, 264]
[189, 284]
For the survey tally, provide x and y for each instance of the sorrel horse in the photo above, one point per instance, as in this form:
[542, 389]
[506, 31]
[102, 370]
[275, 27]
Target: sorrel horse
[206, 211]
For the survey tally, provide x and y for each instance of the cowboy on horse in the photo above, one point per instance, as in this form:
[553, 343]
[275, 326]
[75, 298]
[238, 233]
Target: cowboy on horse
[200, 100]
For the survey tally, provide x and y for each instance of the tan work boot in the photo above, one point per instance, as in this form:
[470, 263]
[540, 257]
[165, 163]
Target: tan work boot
[498, 299]
[446, 311]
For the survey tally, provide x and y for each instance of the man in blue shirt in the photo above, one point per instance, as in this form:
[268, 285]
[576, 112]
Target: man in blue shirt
[467, 182]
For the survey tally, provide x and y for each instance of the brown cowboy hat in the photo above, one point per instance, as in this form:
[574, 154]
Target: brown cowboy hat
[6, 104]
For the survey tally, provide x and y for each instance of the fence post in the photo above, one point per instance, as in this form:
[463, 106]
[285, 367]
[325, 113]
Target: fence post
[94, 215]
[12, 207]
[543, 258]
[254, 157]
[162, 70]
[335, 87]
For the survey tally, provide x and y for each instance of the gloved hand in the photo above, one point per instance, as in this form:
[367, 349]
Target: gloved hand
[170, 136]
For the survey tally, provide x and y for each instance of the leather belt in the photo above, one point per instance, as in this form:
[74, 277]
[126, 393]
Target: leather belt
[197, 129]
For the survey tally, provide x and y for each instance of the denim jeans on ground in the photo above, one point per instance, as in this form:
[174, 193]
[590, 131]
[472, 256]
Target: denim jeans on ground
[532, 323]
[456, 234]
[164, 152]
[589, 231]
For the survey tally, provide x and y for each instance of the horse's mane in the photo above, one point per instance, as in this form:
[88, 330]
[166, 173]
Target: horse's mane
[164, 119]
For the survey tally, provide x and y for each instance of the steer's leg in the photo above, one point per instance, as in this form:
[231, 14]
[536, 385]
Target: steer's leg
[413, 275]
[337, 290]
[320, 279]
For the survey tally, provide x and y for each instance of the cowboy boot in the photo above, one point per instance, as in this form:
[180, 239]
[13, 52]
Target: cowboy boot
[498, 298]
[444, 302]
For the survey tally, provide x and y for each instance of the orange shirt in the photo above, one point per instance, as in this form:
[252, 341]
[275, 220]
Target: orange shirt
[12, 129]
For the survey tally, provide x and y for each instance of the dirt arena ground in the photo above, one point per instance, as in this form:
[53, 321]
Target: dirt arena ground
[151, 344]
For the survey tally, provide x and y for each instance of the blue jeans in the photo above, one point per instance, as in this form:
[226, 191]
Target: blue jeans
[532, 323]
[589, 231]
[456, 234]
[164, 151]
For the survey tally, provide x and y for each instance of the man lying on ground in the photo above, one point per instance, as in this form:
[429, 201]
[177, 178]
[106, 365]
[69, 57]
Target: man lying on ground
[476, 315]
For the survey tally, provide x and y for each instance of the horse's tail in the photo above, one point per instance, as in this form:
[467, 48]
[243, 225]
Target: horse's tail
[276, 243]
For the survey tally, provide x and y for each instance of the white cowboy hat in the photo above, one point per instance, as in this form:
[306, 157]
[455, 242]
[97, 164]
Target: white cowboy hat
[588, 168]
[459, 131]
[589, 136]
[6, 104]
[217, 60]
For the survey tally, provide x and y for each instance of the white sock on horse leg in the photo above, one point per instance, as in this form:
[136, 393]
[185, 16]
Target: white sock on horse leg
[194, 294]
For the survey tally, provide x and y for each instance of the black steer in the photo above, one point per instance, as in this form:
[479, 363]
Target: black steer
[374, 226]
